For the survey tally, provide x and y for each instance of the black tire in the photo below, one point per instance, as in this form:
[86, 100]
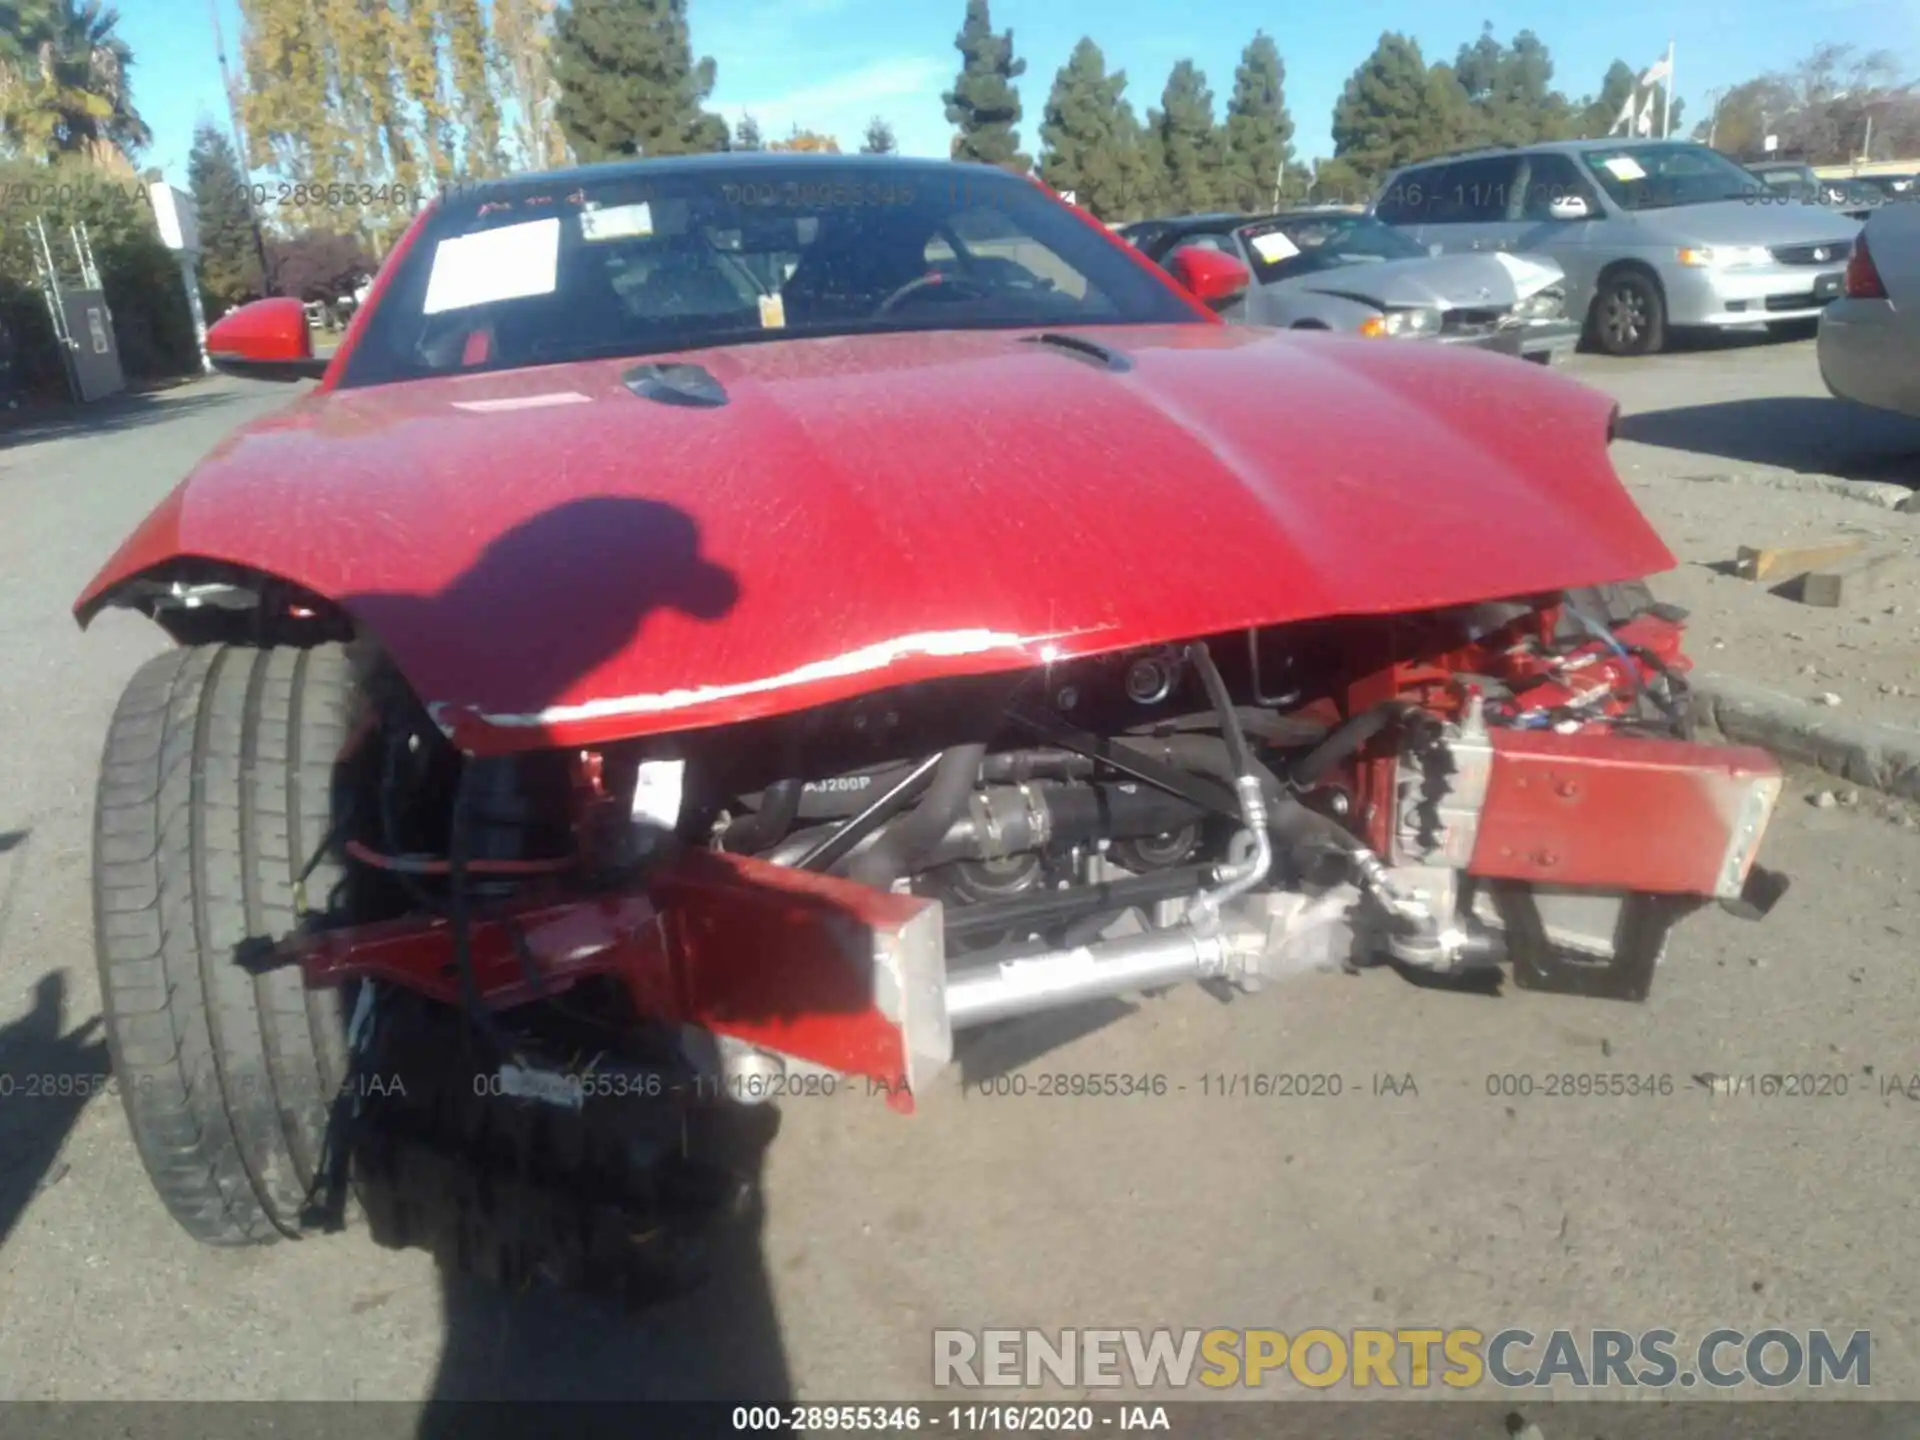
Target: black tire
[215, 792]
[1629, 314]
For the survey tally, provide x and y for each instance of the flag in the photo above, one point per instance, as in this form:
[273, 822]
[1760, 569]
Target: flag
[1659, 70]
[1644, 125]
[1625, 117]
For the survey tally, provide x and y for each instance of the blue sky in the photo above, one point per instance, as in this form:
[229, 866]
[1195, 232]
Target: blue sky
[831, 64]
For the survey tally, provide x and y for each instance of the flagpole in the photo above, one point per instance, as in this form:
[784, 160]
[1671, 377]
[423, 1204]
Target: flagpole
[1666, 98]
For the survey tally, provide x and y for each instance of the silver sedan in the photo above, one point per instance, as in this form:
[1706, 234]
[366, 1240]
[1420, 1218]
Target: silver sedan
[1338, 270]
[1870, 337]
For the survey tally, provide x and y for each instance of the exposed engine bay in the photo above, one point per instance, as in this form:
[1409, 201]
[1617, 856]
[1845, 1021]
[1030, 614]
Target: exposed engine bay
[564, 967]
[1505, 785]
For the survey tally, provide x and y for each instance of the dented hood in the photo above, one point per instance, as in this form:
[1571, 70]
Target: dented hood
[553, 559]
[1441, 282]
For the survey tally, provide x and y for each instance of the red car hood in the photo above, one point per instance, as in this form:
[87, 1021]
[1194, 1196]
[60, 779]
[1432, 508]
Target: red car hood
[552, 559]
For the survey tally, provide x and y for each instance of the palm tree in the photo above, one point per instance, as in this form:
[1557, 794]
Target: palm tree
[63, 82]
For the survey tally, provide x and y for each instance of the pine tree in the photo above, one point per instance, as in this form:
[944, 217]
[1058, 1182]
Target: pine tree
[1395, 109]
[746, 135]
[229, 258]
[879, 139]
[984, 102]
[1598, 114]
[1192, 149]
[1092, 138]
[1259, 131]
[629, 84]
[1509, 90]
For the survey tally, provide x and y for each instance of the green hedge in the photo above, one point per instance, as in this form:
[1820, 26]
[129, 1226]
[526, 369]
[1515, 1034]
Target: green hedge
[151, 320]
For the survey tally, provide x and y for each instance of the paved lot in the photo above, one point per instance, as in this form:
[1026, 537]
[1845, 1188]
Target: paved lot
[1446, 1207]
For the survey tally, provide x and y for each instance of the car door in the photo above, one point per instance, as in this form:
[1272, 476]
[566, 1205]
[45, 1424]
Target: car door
[1547, 179]
[1475, 200]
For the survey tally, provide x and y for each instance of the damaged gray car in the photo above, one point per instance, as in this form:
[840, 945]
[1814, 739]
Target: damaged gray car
[1333, 270]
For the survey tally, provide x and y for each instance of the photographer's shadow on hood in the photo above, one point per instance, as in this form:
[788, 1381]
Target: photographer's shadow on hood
[548, 602]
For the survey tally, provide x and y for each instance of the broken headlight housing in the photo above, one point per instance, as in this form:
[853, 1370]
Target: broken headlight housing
[1548, 304]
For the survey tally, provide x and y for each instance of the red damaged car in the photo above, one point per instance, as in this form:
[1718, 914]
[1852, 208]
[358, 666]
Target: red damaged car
[724, 627]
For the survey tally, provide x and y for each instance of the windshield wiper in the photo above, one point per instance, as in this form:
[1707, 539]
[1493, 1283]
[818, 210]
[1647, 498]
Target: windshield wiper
[1102, 355]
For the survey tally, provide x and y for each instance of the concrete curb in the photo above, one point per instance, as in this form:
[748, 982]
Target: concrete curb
[1880, 757]
[1881, 494]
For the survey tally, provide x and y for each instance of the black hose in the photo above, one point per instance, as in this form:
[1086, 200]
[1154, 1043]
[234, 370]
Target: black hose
[1206, 753]
[779, 808]
[1267, 725]
[907, 838]
[1238, 752]
[1347, 737]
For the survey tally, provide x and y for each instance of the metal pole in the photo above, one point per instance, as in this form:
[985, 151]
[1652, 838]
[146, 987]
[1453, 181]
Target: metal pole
[190, 278]
[1666, 98]
[240, 139]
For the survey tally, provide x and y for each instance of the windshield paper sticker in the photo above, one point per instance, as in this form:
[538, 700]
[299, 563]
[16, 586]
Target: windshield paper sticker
[509, 263]
[1274, 247]
[773, 312]
[617, 222]
[1624, 167]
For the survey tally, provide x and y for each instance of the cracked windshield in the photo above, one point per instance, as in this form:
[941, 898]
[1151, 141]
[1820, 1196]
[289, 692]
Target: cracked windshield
[959, 716]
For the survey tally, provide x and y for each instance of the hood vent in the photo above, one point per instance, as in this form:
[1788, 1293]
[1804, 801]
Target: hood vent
[1082, 348]
[676, 385]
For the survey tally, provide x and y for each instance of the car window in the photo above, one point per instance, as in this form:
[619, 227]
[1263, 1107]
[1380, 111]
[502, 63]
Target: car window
[1476, 191]
[1552, 177]
[1657, 175]
[1406, 200]
[638, 263]
[1291, 245]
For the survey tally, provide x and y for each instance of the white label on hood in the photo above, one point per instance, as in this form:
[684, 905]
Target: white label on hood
[509, 263]
[1273, 247]
[1624, 167]
[1528, 275]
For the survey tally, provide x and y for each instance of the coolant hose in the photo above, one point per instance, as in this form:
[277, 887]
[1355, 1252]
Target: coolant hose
[1346, 738]
[1238, 754]
[779, 808]
[906, 839]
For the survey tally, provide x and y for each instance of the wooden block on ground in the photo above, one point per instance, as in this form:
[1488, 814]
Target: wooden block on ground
[1781, 562]
[1849, 579]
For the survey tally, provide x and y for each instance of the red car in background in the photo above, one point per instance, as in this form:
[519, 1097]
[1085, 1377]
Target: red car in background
[723, 627]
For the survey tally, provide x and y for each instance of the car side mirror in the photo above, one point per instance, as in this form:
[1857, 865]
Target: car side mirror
[1568, 207]
[1214, 279]
[265, 340]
